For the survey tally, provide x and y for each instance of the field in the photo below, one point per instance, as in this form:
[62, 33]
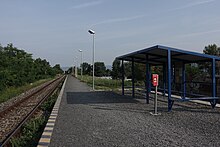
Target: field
[103, 84]
[15, 91]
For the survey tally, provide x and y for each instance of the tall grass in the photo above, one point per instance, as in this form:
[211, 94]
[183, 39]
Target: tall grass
[31, 132]
[15, 91]
[103, 84]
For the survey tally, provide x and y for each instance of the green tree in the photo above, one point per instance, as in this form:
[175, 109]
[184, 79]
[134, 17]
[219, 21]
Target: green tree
[69, 70]
[87, 68]
[100, 69]
[108, 72]
[139, 71]
[116, 69]
[17, 67]
[212, 49]
[57, 69]
[127, 70]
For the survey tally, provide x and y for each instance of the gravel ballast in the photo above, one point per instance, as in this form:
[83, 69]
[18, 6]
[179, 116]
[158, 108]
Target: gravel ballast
[98, 119]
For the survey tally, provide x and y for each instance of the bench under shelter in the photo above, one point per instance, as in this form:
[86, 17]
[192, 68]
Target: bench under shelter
[169, 58]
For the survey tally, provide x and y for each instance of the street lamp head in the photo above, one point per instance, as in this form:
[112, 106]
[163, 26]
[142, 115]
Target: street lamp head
[80, 50]
[93, 59]
[91, 32]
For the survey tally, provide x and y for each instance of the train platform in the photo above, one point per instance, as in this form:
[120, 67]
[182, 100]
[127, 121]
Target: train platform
[105, 118]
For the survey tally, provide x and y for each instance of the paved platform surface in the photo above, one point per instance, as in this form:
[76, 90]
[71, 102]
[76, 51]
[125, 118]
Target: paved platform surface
[99, 119]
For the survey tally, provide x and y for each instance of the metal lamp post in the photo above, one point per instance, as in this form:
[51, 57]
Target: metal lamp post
[93, 58]
[76, 68]
[73, 72]
[81, 62]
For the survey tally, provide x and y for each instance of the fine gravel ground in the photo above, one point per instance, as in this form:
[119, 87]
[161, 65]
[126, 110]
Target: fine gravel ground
[99, 119]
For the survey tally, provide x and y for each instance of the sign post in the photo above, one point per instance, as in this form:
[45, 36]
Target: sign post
[155, 79]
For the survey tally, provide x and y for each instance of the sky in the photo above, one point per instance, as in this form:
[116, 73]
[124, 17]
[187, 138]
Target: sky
[56, 29]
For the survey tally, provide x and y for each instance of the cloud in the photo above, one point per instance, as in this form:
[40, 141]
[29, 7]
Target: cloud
[176, 38]
[88, 4]
[201, 33]
[114, 20]
[192, 4]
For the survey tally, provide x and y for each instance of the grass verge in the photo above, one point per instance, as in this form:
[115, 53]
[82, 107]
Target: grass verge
[15, 91]
[32, 130]
[103, 84]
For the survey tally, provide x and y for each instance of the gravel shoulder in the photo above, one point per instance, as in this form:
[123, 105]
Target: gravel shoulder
[96, 119]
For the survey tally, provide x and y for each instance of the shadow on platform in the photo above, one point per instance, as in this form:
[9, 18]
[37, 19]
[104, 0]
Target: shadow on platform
[108, 97]
[97, 98]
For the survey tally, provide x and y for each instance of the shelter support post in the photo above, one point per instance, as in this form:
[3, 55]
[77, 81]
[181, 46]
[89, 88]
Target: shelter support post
[173, 73]
[147, 80]
[164, 79]
[149, 88]
[213, 103]
[169, 70]
[183, 81]
[123, 77]
[132, 70]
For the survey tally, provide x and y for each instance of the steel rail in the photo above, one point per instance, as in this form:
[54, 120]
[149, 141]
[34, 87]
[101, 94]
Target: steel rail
[30, 114]
[4, 111]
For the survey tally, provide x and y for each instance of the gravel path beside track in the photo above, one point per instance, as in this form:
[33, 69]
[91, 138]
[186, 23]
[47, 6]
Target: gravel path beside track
[98, 119]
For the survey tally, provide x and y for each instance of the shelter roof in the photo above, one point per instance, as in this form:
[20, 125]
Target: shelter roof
[158, 55]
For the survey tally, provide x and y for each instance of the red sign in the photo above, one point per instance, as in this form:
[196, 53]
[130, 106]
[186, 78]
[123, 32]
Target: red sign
[155, 79]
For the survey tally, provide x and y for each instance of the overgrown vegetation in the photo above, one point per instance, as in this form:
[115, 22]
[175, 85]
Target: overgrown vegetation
[14, 91]
[18, 69]
[48, 105]
[32, 130]
[198, 75]
[103, 84]
[30, 133]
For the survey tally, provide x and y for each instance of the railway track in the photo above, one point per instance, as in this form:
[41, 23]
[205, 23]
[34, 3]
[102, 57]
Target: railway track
[14, 115]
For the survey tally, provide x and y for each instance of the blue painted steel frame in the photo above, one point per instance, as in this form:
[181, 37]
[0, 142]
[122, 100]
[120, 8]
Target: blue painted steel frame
[204, 57]
[123, 77]
[173, 73]
[147, 80]
[213, 83]
[150, 78]
[164, 79]
[183, 81]
[169, 66]
[132, 69]
[213, 79]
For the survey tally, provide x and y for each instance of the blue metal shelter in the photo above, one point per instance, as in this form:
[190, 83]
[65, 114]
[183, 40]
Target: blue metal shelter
[167, 56]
